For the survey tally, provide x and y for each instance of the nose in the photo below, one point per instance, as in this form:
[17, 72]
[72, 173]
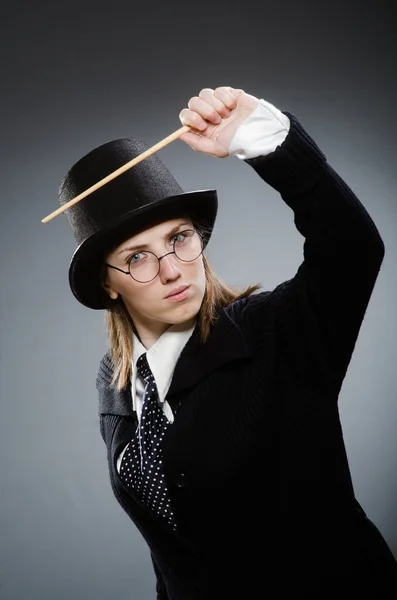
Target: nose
[169, 270]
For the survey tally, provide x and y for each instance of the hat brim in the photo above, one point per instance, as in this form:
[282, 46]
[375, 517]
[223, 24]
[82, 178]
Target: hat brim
[87, 261]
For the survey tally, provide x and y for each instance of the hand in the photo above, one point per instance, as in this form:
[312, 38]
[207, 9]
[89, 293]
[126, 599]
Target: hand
[214, 116]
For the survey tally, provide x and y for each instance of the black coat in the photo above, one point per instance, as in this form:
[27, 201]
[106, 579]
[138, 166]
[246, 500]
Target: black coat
[255, 461]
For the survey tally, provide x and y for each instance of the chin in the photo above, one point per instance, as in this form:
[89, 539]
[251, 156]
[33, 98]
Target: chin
[182, 317]
[180, 314]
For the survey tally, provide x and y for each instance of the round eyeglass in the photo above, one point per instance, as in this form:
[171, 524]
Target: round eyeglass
[147, 267]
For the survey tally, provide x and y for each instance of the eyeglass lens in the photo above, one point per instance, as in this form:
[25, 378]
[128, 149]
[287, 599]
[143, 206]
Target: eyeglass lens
[144, 265]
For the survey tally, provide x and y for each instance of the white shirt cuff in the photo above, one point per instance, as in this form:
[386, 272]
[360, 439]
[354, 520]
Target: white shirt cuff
[261, 133]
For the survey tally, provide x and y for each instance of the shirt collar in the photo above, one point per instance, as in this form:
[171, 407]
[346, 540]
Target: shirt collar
[162, 356]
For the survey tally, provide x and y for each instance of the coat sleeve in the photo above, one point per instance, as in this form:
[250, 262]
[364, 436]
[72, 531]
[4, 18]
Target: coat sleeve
[161, 592]
[319, 312]
[107, 423]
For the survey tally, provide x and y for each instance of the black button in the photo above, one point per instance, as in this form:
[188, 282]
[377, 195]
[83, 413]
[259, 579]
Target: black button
[181, 480]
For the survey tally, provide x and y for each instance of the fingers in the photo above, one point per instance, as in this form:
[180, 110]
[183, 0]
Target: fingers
[210, 106]
[227, 95]
[216, 103]
[202, 112]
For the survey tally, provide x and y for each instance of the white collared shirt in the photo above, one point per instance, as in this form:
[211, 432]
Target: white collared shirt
[162, 358]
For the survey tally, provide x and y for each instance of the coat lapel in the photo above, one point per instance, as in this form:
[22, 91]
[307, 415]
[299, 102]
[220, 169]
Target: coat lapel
[225, 344]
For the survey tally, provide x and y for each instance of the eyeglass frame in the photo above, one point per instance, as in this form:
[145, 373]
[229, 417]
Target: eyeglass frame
[159, 258]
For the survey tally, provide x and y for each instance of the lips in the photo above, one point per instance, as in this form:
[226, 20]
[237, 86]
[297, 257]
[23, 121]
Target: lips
[177, 290]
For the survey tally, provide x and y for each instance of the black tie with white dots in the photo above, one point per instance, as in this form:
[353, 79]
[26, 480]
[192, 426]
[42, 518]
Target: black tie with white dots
[153, 425]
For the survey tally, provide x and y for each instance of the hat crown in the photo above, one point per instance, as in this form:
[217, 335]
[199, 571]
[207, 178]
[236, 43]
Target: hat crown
[147, 182]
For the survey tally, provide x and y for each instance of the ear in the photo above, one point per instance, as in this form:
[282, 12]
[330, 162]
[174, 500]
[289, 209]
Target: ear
[109, 290]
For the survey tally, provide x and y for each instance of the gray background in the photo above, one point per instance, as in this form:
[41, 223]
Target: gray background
[77, 75]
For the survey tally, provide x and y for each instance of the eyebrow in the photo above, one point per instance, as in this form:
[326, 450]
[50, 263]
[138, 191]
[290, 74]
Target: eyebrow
[143, 246]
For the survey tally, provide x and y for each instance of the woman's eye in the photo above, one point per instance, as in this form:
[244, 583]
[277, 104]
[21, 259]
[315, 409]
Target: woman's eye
[178, 238]
[135, 257]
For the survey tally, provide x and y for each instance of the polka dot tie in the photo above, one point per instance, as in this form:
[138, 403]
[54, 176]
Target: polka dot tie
[142, 462]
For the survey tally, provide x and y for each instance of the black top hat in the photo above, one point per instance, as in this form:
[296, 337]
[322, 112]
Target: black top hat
[143, 196]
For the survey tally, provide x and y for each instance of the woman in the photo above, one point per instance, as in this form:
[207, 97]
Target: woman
[219, 408]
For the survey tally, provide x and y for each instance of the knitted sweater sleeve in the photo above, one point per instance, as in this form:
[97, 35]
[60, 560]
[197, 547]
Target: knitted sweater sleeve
[161, 592]
[107, 423]
[319, 312]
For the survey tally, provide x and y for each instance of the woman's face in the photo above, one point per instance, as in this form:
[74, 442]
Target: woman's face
[153, 306]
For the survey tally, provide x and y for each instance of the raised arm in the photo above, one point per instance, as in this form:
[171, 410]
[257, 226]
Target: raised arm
[342, 251]
[319, 312]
